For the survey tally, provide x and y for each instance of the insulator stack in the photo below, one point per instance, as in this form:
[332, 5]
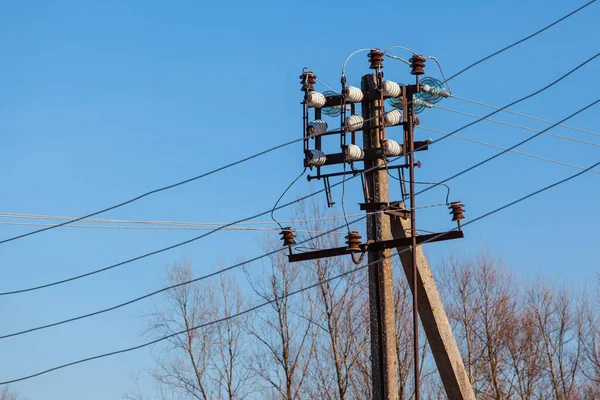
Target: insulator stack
[353, 241]
[391, 89]
[353, 94]
[393, 117]
[456, 209]
[392, 148]
[317, 127]
[421, 103]
[315, 99]
[376, 59]
[434, 91]
[353, 153]
[287, 235]
[315, 158]
[417, 63]
[307, 79]
[354, 122]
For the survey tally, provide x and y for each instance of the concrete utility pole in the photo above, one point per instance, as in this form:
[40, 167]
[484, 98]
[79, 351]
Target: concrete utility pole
[378, 154]
[433, 317]
[381, 281]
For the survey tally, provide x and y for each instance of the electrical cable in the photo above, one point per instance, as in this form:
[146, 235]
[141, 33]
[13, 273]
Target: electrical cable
[295, 292]
[521, 40]
[177, 228]
[524, 115]
[503, 152]
[322, 190]
[151, 294]
[283, 194]
[283, 144]
[516, 126]
[504, 148]
[514, 146]
[426, 183]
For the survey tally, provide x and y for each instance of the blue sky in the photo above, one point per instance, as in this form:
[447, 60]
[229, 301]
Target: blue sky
[101, 101]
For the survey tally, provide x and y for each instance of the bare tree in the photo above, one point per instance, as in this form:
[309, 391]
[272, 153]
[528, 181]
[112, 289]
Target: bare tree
[205, 363]
[284, 341]
[5, 394]
[591, 344]
[340, 340]
[560, 325]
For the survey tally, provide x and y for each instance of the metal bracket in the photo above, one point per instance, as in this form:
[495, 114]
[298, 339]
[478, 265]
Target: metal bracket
[385, 244]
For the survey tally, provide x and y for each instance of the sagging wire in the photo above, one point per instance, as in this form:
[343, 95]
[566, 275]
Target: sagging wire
[350, 56]
[441, 72]
[401, 179]
[283, 194]
[397, 58]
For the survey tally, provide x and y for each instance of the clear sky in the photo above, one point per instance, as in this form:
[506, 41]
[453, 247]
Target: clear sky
[101, 101]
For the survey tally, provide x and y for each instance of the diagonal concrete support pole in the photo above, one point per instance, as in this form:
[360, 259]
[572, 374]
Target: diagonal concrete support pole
[433, 317]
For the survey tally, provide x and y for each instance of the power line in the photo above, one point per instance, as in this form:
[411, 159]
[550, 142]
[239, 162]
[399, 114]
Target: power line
[521, 40]
[504, 148]
[516, 126]
[275, 147]
[513, 146]
[322, 190]
[169, 228]
[151, 294]
[420, 192]
[521, 100]
[293, 293]
[525, 115]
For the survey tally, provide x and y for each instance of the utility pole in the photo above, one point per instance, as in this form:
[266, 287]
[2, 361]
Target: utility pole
[385, 218]
[381, 281]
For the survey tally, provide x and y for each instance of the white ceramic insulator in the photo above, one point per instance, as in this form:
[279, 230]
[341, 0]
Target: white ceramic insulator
[393, 117]
[315, 99]
[434, 91]
[316, 158]
[353, 94]
[317, 127]
[392, 148]
[391, 89]
[419, 102]
[354, 122]
[354, 153]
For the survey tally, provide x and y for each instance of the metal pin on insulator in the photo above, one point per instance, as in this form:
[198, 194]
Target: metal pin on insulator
[315, 158]
[354, 122]
[353, 153]
[456, 209]
[393, 117]
[417, 63]
[307, 79]
[353, 241]
[315, 99]
[287, 235]
[392, 148]
[317, 127]
[391, 89]
[376, 59]
[352, 94]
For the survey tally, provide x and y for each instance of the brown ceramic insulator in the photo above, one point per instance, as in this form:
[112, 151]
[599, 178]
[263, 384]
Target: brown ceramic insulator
[307, 79]
[376, 59]
[417, 63]
[287, 235]
[353, 241]
[456, 209]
